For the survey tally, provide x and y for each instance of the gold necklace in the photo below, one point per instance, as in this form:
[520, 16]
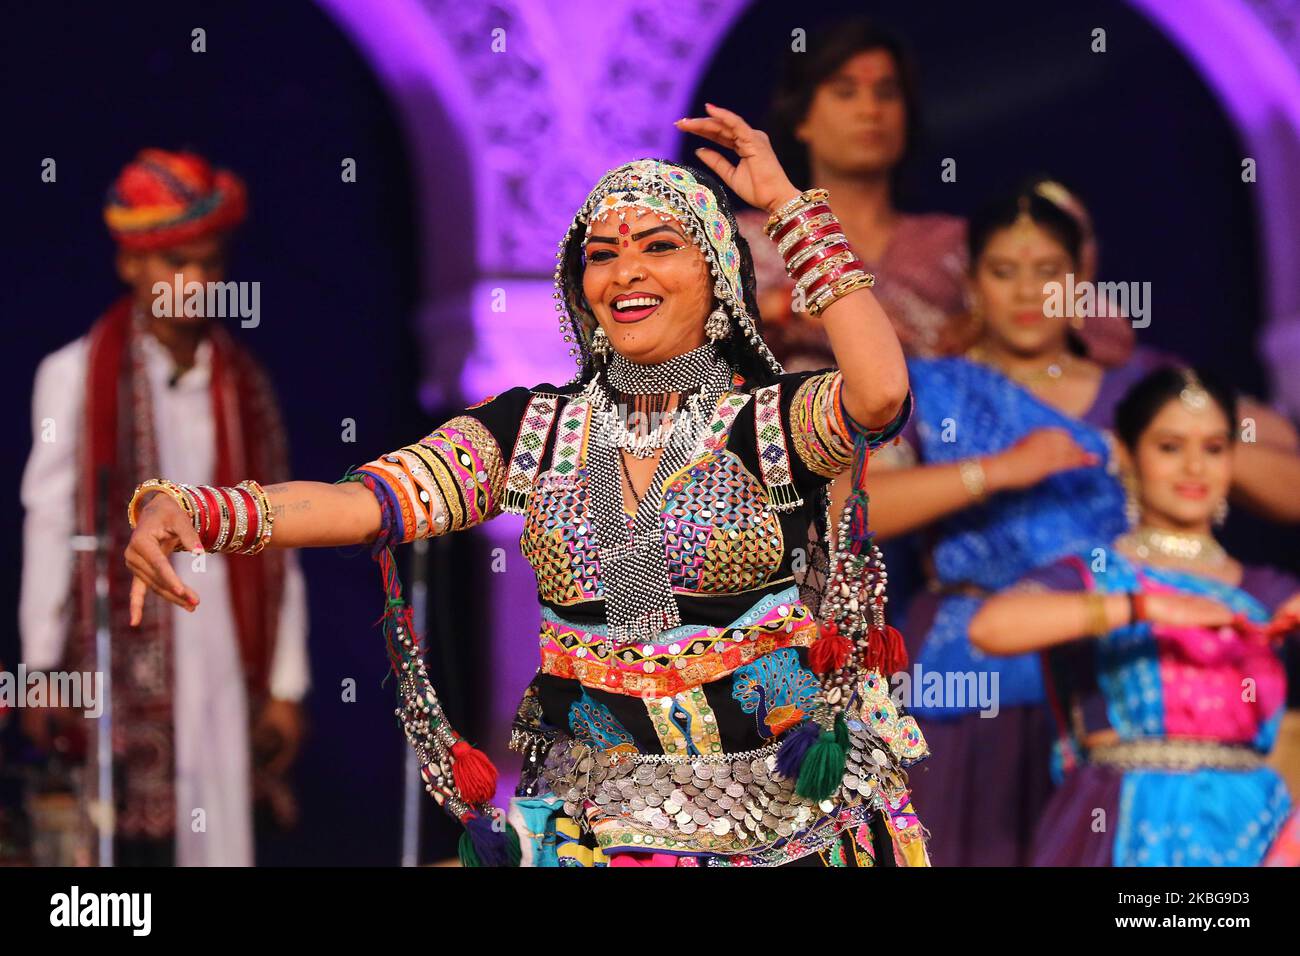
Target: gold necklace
[1051, 373]
[1185, 546]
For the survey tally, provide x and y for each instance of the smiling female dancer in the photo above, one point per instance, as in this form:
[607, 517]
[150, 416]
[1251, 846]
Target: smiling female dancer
[693, 705]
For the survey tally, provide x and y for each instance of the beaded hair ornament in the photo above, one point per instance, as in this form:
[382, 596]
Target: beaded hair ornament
[669, 190]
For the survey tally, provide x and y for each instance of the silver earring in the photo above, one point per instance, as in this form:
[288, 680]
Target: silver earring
[600, 343]
[1220, 513]
[718, 325]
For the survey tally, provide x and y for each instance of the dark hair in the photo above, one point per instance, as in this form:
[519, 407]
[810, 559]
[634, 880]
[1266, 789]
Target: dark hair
[829, 47]
[736, 348]
[1058, 222]
[1143, 402]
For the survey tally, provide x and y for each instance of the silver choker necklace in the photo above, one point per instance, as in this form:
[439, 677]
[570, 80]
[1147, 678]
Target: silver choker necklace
[642, 428]
[678, 374]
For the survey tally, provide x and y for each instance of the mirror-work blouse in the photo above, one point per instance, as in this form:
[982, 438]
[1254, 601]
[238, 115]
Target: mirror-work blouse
[615, 734]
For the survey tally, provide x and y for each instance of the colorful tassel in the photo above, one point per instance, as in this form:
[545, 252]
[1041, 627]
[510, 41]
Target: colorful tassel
[483, 845]
[465, 850]
[886, 651]
[790, 755]
[822, 769]
[473, 772]
[842, 733]
[859, 536]
[473, 776]
[830, 651]
[858, 533]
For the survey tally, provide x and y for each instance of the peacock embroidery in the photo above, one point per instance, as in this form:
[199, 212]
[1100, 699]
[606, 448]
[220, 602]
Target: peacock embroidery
[777, 690]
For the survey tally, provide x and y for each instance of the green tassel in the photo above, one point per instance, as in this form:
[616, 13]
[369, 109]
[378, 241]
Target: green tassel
[823, 766]
[469, 856]
[465, 850]
[842, 733]
[512, 846]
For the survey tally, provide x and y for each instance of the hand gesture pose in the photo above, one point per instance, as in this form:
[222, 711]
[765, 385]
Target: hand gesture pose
[1037, 456]
[163, 528]
[758, 177]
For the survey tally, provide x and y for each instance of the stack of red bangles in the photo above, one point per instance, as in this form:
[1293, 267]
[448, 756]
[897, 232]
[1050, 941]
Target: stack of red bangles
[817, 254]
[234, 520]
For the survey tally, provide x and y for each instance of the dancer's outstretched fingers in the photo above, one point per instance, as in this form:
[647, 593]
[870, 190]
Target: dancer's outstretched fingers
[734, 123]
[138, 590]
[720, 165]
[154, 581]
[707, 128]
[152, 553]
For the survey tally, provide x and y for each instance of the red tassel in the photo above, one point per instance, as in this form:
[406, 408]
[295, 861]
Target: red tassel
[473, 772]
[830, 651]
[886, 651]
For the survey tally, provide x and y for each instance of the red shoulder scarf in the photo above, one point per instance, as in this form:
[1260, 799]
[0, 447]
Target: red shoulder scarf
[118, 442]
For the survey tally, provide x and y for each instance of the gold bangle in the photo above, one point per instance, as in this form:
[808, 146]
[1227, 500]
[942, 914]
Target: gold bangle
[837, 290]
[1095, 608]
[844, 257]
[241, 524]
[176, 492]
[806, 198]
[265, 517]
[227, 523]
[973, 478]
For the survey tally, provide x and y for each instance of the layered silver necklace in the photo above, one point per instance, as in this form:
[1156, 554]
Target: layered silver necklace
[632, 410]
[639, 601]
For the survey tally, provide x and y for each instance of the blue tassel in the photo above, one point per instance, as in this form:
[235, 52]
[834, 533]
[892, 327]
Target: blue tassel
[487, 846]
[795, 747]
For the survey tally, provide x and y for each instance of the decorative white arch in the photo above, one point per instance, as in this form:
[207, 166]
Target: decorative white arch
[1250, 54]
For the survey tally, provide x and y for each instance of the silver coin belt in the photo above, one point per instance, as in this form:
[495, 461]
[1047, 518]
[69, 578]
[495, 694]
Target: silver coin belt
[820, 836]
[727, 804]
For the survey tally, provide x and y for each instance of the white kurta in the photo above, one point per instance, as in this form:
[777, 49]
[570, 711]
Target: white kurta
[213, 764]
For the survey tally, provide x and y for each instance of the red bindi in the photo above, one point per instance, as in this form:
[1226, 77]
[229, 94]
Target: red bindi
[622, 229]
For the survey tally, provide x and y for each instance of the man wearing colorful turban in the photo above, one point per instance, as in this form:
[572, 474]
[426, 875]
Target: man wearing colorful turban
[150, 389]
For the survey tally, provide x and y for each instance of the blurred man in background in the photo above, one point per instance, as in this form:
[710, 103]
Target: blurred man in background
[152, 390]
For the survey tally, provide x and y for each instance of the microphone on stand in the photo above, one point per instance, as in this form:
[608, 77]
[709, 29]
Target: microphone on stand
[412, 785]
[105, 804]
